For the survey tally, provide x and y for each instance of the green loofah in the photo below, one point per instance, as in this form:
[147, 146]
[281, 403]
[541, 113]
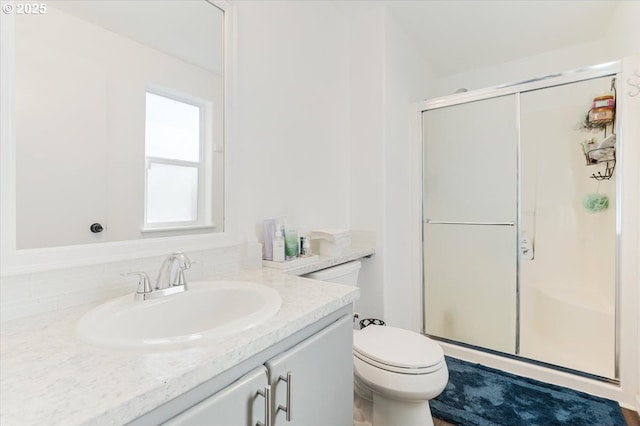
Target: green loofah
[595, 202]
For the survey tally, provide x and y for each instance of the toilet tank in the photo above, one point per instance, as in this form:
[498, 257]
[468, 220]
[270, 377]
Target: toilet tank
[346, 274]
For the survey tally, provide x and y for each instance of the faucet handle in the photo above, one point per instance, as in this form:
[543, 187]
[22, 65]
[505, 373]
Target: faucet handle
[181, 280]
[144, 284]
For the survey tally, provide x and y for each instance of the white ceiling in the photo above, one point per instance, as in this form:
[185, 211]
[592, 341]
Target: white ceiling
[463, 35]
[190, 30]
[454, 35]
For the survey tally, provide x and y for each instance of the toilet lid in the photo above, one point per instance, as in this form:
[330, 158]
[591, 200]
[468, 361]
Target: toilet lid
[396, 347]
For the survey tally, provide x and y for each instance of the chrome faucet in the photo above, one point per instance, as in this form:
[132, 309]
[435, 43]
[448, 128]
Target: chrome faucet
[164, 280]
[165, 284]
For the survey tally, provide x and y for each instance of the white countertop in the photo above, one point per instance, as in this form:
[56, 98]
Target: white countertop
[296, 267]
[49, 376]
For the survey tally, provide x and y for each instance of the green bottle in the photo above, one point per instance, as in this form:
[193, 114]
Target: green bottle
[291, 242]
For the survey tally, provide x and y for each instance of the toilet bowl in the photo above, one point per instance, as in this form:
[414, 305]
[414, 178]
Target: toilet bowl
[396, 371]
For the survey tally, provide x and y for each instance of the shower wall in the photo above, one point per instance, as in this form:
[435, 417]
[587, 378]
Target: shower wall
[578, 244]
[568, 288]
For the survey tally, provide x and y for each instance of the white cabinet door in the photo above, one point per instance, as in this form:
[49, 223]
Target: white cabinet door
[239, 404]
[321, 387]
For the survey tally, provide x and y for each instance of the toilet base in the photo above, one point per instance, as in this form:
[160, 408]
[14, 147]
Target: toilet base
[389, 412]
[362, 411]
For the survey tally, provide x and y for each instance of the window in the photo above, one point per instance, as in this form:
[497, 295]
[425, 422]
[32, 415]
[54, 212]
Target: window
[176, 147]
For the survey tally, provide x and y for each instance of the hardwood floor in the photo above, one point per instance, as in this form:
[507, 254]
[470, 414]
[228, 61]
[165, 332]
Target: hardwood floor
[438, 422]
[630, 416]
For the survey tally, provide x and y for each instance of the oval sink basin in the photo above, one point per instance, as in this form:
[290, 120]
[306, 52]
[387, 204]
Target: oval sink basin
[206, 310]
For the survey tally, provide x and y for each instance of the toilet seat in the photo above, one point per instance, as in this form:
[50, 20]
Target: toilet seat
[396, 369]
[397, 350]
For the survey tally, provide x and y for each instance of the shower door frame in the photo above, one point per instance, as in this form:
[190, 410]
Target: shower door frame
[609, 69]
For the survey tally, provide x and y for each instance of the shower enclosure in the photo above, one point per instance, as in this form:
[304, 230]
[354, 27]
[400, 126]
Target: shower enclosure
[520, 194]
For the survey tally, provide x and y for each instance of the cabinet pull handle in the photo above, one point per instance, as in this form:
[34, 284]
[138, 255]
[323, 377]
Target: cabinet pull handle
[287, 409]
[267, 406]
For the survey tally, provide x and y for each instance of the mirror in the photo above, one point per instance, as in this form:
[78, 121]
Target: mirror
[119, 121]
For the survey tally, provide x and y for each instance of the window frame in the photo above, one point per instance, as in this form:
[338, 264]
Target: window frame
[204, 165]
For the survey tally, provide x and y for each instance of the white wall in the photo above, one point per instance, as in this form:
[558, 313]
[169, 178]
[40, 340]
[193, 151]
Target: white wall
[623, 35]
[408, 79]
[290, 156]
[367, 167]
[387, 74]
[629, 104]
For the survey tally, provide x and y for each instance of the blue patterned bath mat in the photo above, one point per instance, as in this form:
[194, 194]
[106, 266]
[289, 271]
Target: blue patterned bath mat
[480, 396]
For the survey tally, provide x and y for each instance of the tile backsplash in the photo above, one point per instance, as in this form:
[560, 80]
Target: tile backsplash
[31, 294]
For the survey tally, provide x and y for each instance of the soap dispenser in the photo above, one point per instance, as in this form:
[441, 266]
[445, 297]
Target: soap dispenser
[278, 246]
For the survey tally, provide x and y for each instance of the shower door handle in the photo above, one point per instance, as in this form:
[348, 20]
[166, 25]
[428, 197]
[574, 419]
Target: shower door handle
[442, 222]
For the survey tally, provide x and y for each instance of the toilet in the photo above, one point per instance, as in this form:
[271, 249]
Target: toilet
[396, 371]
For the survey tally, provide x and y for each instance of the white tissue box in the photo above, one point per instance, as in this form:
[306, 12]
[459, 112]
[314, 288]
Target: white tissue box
[332, 242]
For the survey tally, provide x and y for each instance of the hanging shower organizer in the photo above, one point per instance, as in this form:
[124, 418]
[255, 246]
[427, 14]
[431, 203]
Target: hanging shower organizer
[605, 152]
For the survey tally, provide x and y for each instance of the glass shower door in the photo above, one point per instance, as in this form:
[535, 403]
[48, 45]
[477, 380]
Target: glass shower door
[470, 170]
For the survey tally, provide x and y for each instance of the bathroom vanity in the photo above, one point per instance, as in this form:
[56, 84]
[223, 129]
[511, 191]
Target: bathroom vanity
[308, 384]
[298, 363]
